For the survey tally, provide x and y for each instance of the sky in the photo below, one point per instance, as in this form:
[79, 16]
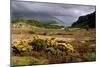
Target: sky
[62, 13]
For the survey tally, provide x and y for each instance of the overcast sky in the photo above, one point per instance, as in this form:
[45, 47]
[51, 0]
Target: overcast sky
[67, 13]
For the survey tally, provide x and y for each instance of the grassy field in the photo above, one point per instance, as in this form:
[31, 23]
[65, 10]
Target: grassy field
[83, 43]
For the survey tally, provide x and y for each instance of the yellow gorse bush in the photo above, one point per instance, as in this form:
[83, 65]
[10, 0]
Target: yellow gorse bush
[37, 43]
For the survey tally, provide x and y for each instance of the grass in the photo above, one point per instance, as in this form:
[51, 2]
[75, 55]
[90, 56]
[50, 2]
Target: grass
[83, 42]
[28, 60]
[91, 57]
[22, 31]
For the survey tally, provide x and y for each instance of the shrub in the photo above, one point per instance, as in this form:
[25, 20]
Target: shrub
[45, 33]
[90, 57]
[51, 45]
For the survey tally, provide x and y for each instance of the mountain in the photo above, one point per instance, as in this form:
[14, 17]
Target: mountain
[34, 22]
[41, 18]
[88, 21]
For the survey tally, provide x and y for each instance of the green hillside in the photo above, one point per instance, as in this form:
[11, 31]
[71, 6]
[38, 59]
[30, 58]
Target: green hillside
[33, 22]
[87, 21]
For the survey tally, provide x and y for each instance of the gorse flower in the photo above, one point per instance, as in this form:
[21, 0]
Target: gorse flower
[37, 43]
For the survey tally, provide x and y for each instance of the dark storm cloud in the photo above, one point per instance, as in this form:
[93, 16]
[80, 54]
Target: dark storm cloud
[64, 12]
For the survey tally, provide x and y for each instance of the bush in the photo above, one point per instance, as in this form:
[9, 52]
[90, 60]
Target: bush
[51, 45]
[45, 33]
[90, 57]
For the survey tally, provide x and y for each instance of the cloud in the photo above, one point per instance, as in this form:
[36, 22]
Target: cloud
[67, 13]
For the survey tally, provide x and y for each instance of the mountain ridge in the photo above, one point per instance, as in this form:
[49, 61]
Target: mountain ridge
[86, 21]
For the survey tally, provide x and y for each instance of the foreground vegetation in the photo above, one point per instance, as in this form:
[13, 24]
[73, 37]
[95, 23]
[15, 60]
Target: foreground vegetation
[50, 47]
[44, 49]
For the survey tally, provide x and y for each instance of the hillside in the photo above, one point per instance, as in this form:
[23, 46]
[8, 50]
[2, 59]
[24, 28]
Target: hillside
[87, 21]
[33, 22]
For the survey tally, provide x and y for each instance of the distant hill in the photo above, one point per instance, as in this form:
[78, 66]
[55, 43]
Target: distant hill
[88, 21]
[33, 22]
[43, 19]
